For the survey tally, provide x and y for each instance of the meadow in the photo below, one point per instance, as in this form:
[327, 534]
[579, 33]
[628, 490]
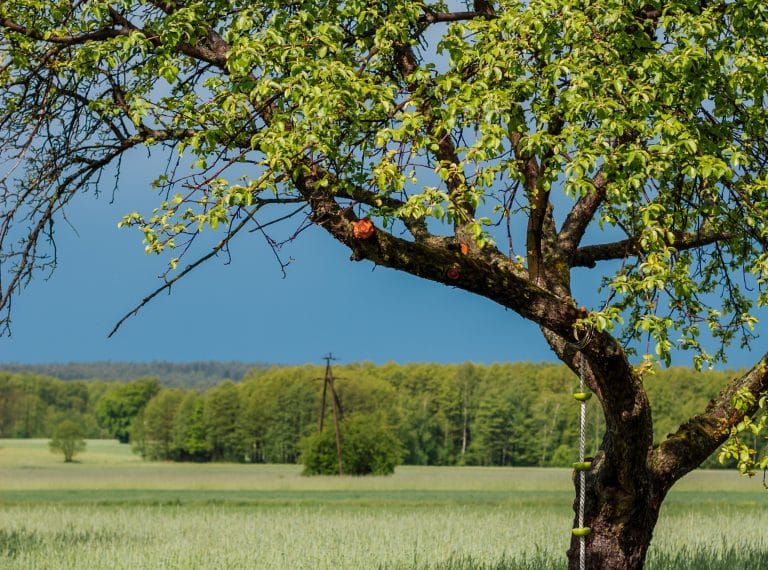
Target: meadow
[113, 510]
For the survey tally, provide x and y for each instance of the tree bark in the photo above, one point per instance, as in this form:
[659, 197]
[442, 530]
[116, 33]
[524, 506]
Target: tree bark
[621, 519]
[623, 494]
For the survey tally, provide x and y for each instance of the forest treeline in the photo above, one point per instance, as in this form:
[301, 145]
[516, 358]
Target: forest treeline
[198, 375]
[501, 414]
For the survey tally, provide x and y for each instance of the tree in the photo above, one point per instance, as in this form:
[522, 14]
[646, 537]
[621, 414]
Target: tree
[419, 431]
[67, 439]
[155, 425]
[280, 409]
[620, 143]
[121, 403]
[223, 428]
[505, 430]
[466, 379]
[190, 441]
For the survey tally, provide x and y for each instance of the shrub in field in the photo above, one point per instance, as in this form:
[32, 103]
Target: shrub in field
[368, 445]
[67, 439]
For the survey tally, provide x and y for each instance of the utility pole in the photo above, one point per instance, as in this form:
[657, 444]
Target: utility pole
[336, 406]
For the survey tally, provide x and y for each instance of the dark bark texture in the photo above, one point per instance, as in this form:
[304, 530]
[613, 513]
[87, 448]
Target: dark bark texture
[621, 520]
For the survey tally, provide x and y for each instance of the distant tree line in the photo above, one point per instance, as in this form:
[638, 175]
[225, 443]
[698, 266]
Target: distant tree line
[502, 414]
[199, 375]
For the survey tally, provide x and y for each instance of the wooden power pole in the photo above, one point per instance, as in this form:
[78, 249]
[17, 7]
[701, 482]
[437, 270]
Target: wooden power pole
[335, 405]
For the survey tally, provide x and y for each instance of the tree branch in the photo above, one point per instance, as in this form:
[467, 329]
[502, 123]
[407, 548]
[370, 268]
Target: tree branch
[438, 17]
[231, 233]
[575, 225]
[588, 256]
[416, 226]
[540, 217]
[699, 437]
[67, 40]
[63, 192]
[216, 56]
[169, 283]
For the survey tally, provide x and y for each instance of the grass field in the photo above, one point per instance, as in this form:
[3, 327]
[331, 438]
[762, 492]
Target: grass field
[111, 510]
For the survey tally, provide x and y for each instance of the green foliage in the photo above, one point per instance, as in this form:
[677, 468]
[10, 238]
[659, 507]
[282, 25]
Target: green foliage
[198, 375]
[67, 439]
[369, 447]
[506, 431]
[152, 428]
[222, 423]
[121, 403]
[747, 445]
[190, 442]
[281, 407]
[30, 405]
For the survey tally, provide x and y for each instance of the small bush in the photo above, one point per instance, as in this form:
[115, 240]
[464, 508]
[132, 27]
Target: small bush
[369, 447]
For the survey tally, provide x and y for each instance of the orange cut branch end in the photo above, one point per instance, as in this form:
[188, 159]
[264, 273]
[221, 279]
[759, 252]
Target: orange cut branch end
[363, 229]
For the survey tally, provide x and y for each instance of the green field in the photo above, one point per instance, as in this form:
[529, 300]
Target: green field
[111, 510]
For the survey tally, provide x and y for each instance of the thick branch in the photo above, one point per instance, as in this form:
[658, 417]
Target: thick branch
[588, 256]
[539, 202]
[541, 225]
[437, 17]
[700, 436]
[416, 226]
[215, 56]
[493, 277]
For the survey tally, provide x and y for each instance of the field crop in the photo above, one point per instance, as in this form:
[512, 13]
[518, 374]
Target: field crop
[111, 510]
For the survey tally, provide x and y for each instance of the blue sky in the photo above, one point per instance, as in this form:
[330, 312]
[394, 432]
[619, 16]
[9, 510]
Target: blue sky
[245, 310]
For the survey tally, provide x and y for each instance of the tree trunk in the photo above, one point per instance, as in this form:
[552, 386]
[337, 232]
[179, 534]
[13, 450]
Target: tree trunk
[621, 519]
